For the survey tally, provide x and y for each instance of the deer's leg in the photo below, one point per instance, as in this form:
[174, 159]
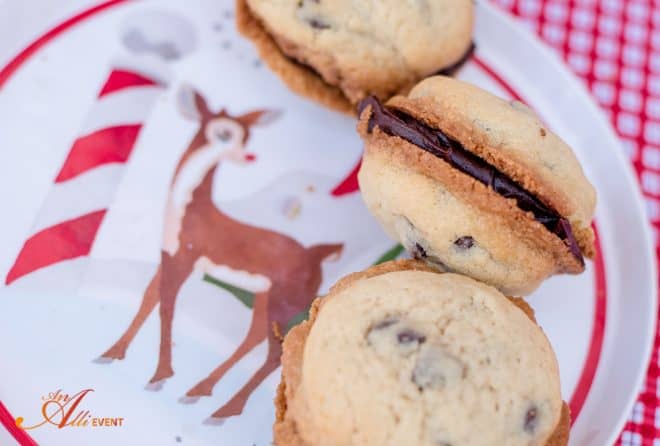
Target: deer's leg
[149, 301]
[236, 404]
[175, 271]
[256, 333]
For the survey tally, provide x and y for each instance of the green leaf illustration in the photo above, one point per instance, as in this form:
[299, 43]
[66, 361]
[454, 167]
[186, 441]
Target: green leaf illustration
[390, 254]
[247, 297]
[298, 318]
[241, 294]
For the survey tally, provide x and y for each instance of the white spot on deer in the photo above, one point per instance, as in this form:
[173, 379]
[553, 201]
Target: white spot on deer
[225, 142]
[255, 283]
[189, 177]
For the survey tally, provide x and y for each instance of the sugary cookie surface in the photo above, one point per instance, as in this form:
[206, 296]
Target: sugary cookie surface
[512, 137]
[413, 357]
[369, 46]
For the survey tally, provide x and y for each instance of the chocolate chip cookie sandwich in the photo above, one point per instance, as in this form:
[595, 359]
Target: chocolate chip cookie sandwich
[476, 185]
[401, 354]
[339, 51]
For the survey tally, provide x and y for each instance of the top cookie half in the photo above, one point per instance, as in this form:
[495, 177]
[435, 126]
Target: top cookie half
[400, 355]
[339, 51]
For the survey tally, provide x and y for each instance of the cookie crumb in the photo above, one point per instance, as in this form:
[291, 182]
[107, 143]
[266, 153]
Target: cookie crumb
[277, 332]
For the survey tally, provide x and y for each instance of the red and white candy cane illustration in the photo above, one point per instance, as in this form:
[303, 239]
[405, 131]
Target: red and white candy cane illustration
[66, 226]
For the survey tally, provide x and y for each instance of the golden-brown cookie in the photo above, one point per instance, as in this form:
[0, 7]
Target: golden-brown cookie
[339, 51]
[399, 354]
[476, 185]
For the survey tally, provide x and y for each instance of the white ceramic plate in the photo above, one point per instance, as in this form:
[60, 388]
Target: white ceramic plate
[108, 86]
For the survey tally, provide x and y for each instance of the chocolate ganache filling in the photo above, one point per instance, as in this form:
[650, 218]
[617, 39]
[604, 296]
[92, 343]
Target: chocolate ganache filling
[397, 123]
[446, 71]
[453, 68]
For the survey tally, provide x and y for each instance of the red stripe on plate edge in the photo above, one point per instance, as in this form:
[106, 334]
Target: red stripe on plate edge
[588, 372]
[592, 358]
[6, 419]
[497, 78]
[22, 57]
[597, 333]
[9, 422]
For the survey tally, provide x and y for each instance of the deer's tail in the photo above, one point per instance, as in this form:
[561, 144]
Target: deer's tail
[318, 253]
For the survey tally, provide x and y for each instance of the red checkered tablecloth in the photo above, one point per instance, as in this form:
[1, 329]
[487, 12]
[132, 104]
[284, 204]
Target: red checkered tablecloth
[614, 46]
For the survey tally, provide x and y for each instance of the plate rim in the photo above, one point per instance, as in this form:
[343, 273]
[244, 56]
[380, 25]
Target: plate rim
[584, 96]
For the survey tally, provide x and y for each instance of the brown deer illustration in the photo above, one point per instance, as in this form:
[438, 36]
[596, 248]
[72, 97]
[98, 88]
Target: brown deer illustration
[197, 235]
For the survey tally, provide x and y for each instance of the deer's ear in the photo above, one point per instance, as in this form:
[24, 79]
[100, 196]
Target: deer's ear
[260, 117]
[191, 103]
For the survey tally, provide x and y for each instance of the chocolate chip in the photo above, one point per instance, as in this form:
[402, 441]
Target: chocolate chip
[407, 336]
[385, 323]
[419, 252]
[317, 23]
[393, 336]
[543, 133]
[531, 420]
[435, 368]
[465, 242]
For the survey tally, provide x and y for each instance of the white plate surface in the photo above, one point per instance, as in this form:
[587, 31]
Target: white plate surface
[56, 320]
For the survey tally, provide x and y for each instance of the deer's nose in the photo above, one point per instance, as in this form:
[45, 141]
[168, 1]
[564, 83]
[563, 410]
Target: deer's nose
[249, 157]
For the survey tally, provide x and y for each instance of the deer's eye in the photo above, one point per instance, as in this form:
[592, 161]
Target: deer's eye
[224, 135]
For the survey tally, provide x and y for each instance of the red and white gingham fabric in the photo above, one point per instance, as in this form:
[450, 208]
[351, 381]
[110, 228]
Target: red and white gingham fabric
[614, 46]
